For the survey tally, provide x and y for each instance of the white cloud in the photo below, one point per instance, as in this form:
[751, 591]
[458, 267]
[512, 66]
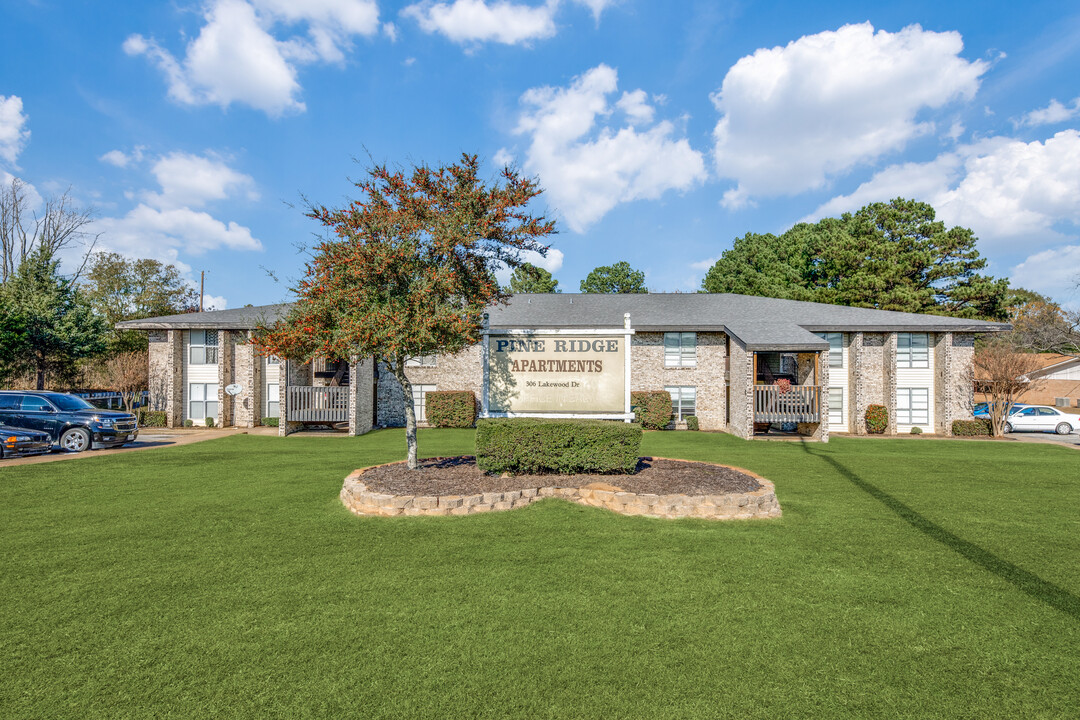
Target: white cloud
[474, 21]
[120, 159]
[13, 131]
[170, 223]
[1052, 114]
[596, 6]
[792, 117]
[1054, 272]
[214, 302]
[390, 30]
[636, 106]
[187, 179]
[552, 262]
[587, 171]
[236, 57]
[503, 157]
[706, 264]
[1006, 190]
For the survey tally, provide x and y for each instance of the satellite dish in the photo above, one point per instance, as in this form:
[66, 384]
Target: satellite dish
[234, 389]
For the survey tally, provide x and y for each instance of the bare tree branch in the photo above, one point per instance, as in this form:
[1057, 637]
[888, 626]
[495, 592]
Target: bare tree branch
[57, 225]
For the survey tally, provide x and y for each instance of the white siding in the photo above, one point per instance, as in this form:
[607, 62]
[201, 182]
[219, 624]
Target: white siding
[271, 377]
[838, 378]
[1069, 373]
[918, 378]
[195, 374]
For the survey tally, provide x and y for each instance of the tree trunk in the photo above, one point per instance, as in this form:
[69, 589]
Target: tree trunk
[40, 374]
[398, 367]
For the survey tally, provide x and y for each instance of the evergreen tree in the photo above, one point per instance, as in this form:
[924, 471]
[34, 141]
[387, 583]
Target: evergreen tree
[46, 326]
[617, 278]
[528, 278]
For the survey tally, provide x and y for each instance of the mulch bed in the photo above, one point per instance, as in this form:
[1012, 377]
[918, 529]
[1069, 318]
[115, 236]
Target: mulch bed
[460, 476]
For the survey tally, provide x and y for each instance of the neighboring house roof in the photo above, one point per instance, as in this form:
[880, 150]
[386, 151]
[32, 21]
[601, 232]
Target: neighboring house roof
[758, 322]
[1048, 363]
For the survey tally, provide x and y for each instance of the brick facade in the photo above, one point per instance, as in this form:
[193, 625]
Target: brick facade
[167, 374]
[741, 390]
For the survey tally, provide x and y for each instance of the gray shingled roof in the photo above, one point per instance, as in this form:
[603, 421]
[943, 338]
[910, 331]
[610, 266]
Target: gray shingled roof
[760, 323]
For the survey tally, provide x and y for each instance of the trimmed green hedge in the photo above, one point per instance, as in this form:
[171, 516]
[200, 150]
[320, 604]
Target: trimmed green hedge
[152, 418]
[691, 422]
[210, 422]
[538, 445]
[877, 419]
[450, 408]
[270, 422]
[652, 408]
[971, 428]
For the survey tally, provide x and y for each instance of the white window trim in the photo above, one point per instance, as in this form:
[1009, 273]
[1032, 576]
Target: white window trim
[687, 355]
[910, 420]
[204, 346]
[422, 361]
[678, 402]
[836, 354]
[273, 396]
[840, 391]
[208, 397]
[420, 408]
[911, 362]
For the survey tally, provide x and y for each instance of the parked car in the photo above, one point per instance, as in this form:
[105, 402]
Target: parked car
[982, 410]
[19, 442]
[1042, 418]
[70, 421]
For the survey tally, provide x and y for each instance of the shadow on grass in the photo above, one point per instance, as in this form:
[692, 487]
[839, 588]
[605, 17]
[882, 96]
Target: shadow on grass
[1028, 583]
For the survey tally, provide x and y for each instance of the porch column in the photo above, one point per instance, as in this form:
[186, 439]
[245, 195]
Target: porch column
[742, 390]
[361, 379]
[814, 370]
[292, 373]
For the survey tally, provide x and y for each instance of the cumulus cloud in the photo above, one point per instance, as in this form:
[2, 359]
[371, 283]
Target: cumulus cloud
[1054, 272]
[587, 163]
[794, 116]
[237, 58]
[1052, 114]
[479, 21]
[120, 159]
[13, 131]
[171, 222]
[215, 302]
[1004, 189]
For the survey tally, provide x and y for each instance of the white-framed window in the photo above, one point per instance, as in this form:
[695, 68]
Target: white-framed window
[419, 394]
[836, 348]
[202, 401]
[683, 401]
[836, 406]
[203, 348]
[912, 406]
[273, 360]
[912, 350]
[680, 349]
[420, 361]
[273, 400]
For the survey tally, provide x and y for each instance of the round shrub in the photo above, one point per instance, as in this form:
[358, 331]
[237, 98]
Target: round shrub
[189, 423]
[877, 419]
[691, 422]
[209, 422]
[916, 431]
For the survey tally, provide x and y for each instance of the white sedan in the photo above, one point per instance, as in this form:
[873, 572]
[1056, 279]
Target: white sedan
[1042, 418]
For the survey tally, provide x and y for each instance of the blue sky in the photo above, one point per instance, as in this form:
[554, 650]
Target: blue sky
[661, 131]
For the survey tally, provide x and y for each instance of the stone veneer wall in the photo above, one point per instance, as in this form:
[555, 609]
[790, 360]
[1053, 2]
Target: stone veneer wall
[166, 374]
[868, 379]
[954, 358]
[462, 371]
[741, 373]
[292, 373]
[647, 372]
[361, 407]
[245, 409]
[761, 503]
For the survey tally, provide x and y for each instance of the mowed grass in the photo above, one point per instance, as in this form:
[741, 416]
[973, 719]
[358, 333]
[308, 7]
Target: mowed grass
[913, 578]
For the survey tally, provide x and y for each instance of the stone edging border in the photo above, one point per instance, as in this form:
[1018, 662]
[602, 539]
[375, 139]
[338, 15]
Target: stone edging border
[761, 503]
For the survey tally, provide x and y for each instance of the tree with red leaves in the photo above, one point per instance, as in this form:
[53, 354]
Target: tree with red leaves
[409, 269]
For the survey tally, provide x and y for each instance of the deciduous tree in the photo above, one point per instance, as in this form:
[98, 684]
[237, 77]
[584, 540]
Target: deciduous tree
[127, 373]
[617, 278]
[889, 256]
[1005, 374]
[527, 278]
[56, 224]
[409, 269]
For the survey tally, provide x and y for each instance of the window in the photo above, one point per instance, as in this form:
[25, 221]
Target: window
[33, 403]
[420, 361]
[912, 350]
[683, 401]
[680, 349]
[273, 360]
[202, 401]
[204, 347]
[836, 348]
[1047, 411]
[912, 406]
[419, 394]
[836, 406]
[273, 400]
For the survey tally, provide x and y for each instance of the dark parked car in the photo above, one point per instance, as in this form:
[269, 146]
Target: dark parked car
[69, 420]
[18, 442]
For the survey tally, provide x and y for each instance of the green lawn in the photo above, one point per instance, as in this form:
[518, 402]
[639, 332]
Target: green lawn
[912, 578]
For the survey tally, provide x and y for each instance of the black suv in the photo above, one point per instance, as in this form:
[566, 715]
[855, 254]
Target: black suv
[69, 420]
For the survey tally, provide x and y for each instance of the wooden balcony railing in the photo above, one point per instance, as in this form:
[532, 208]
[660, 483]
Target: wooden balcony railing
[797, 404]
[316, 404]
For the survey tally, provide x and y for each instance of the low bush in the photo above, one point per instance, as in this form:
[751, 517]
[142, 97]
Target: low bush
[537, 445]
[451, 408]
[971, 428]
[916, 431]
[691, 422]
[270, 422]
[209, 422]
[652, 408]
[152, 418]
[189, 423]
[877, 419]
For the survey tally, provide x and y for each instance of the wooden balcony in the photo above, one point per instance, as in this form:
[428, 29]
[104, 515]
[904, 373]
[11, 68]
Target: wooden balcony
[317, 404]
[795, 404]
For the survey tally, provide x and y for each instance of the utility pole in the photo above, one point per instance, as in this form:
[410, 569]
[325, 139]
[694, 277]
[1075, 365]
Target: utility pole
[202, 287]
